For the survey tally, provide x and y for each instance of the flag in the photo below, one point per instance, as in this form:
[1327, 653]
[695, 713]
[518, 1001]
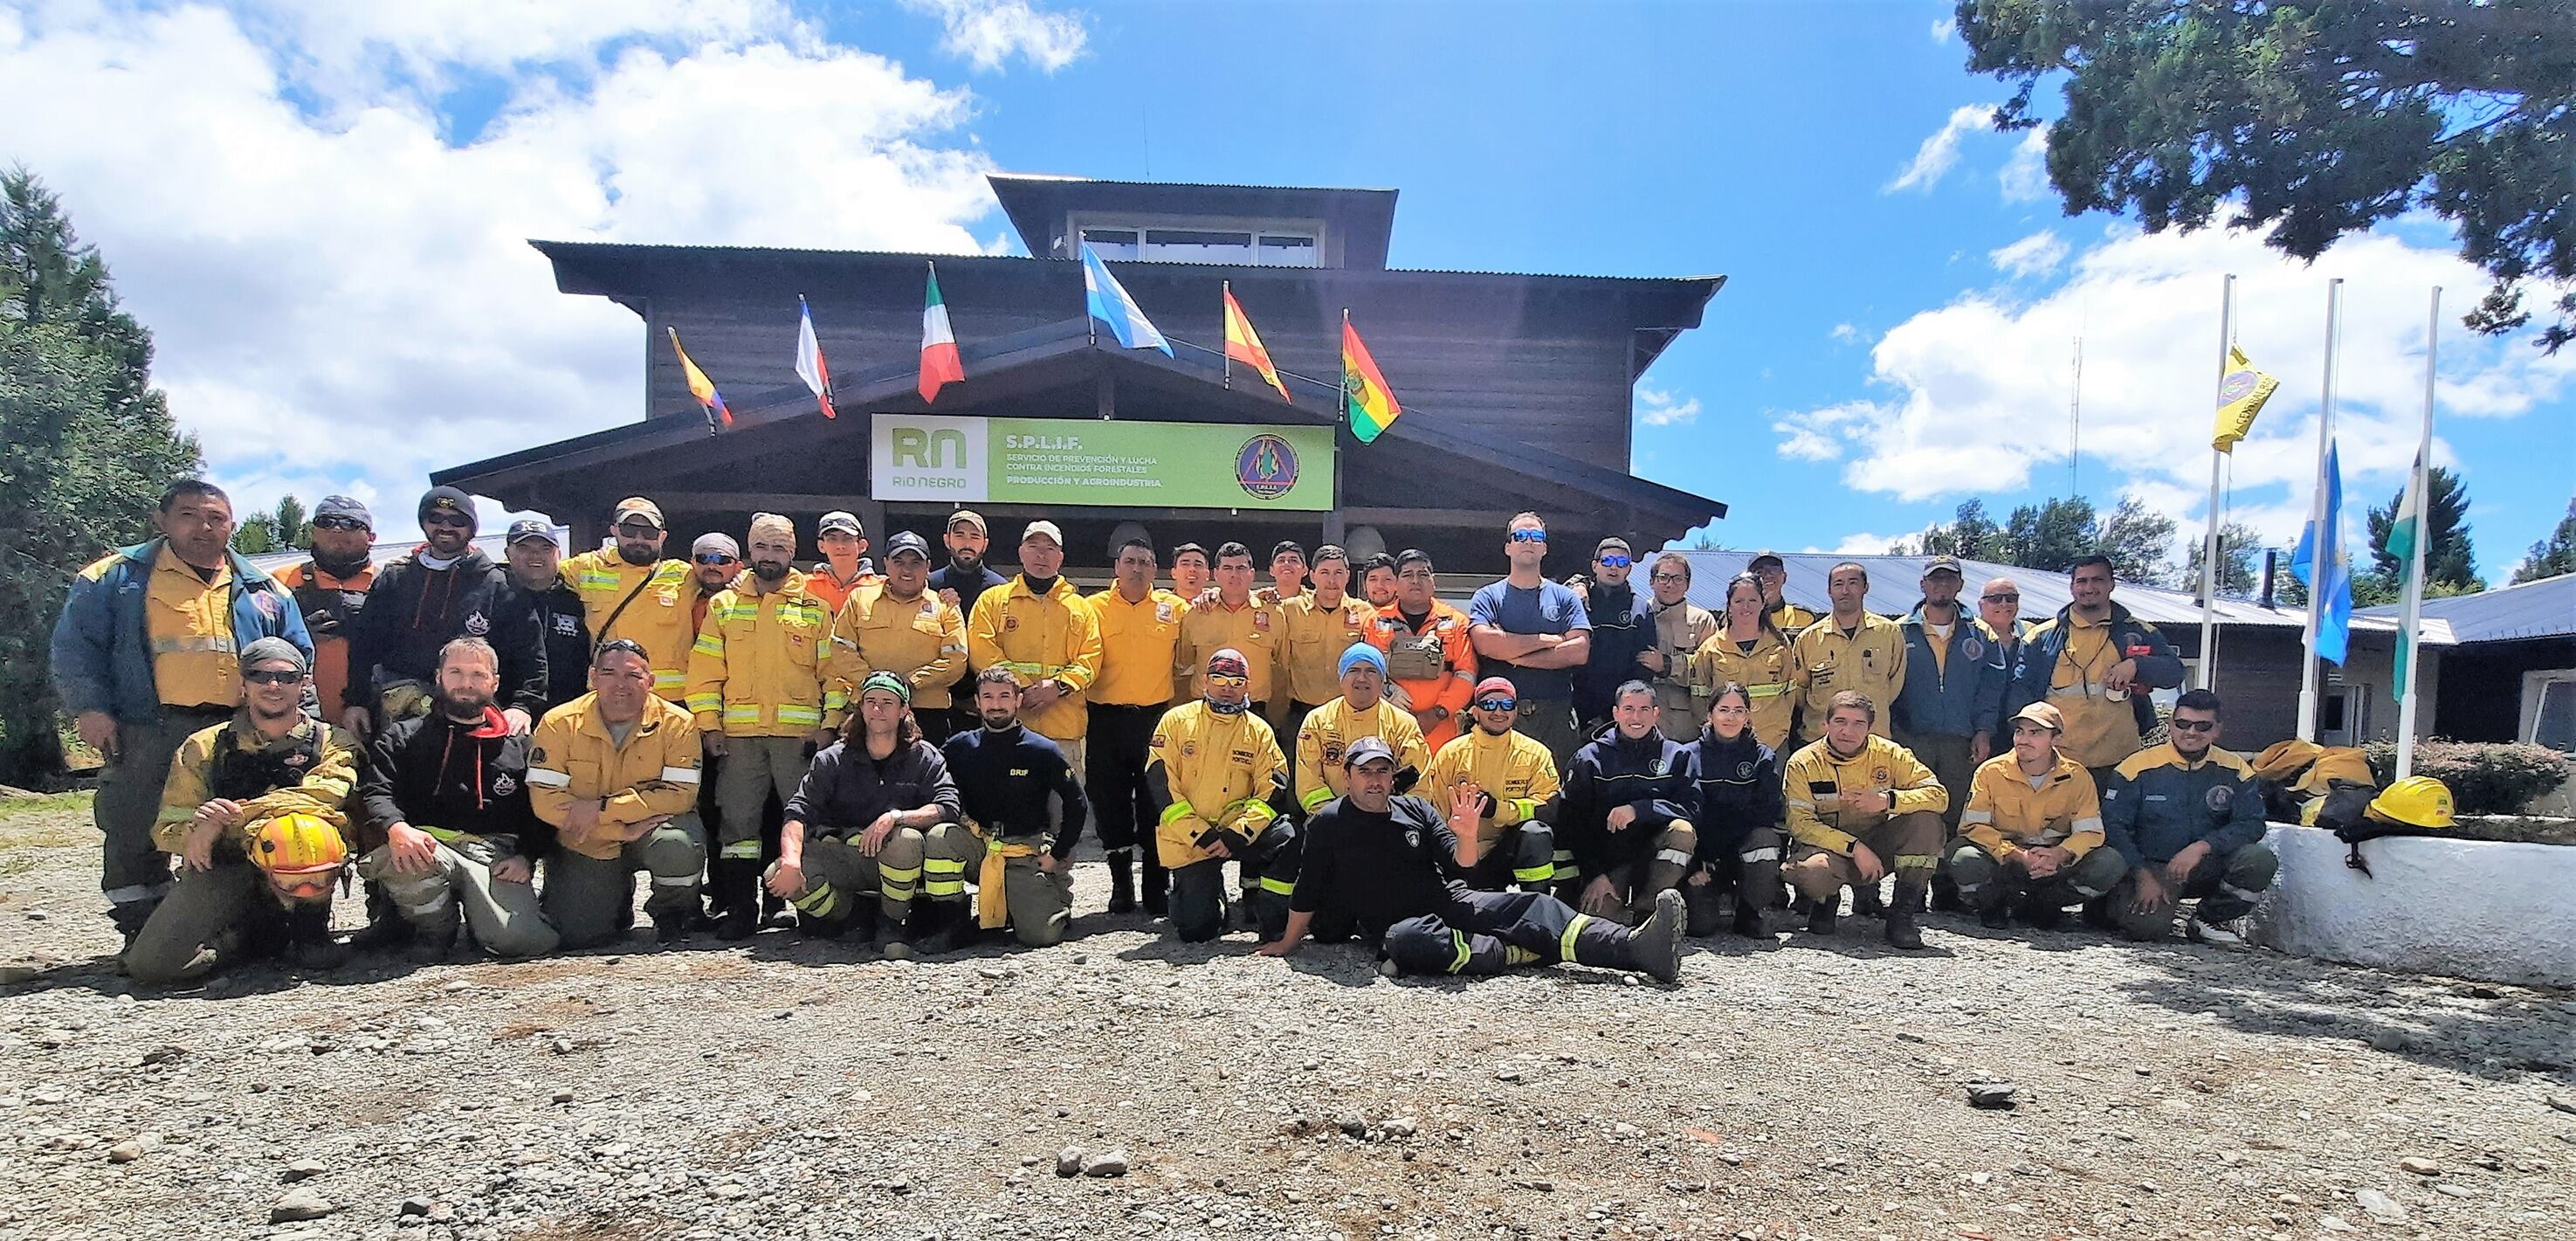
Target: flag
[1242, 344]
[940, 364]
[810, 366]
[2240, 396]
[1110, 304]
[2325, 565]
[2405, 530]
[1365, 396]
[701, 387]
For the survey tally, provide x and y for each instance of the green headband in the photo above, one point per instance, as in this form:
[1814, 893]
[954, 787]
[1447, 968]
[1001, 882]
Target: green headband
[890, 683]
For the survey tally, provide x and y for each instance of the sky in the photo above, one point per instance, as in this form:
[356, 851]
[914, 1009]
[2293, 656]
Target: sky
[321, 210]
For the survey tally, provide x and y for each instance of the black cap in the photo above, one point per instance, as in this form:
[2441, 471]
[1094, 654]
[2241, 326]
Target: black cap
[1942, 564]
[450, 500]
[906, 541]
[527, 528]
[1367, 748]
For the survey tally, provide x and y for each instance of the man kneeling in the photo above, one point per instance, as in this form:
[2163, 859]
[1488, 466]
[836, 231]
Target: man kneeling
[2187, 819]
[861, 824]
[1216, 771]
[1389, 868]
[1025, 809]
[2034, 830]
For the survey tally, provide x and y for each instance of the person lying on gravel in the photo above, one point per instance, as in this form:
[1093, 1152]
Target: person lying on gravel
[255, 811]
[1391, 870]
[1216, 773]
[872, 813]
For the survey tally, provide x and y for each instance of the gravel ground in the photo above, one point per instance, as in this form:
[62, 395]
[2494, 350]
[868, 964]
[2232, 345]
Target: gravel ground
[793, 1090]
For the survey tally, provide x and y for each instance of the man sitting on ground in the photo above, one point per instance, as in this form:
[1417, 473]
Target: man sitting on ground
[2032, 830]
[1629, 801]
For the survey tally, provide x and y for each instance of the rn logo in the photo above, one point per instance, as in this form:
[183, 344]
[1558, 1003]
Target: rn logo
[922, 457]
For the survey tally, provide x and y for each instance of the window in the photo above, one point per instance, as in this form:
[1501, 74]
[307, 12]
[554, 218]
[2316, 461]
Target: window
[1285, 250]
[1286, 245]
[1112, 243]
[1187, 245]
[2549, 709]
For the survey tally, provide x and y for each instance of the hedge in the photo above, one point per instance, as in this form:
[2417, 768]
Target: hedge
[2484, 777]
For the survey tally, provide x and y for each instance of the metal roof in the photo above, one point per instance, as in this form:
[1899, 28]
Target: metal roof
[2542, 609]
[1895, 587]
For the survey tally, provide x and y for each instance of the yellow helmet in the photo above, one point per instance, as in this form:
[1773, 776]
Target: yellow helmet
[2416, 801]
[301, 853]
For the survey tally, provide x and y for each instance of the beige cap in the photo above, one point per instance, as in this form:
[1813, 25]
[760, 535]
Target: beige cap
[2044, 715]
[1046, 528]
[965, 517]
[638, 506]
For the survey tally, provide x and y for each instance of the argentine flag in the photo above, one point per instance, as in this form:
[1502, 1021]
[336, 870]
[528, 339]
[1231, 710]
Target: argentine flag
[2325, 565]
[1110, 304]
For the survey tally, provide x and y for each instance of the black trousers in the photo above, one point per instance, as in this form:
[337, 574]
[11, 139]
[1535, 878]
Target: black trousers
[1269, 877]
[1114, 751]
[1489, 932]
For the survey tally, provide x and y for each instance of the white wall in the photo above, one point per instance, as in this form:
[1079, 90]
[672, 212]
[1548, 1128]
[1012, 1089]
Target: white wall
[2460, 908]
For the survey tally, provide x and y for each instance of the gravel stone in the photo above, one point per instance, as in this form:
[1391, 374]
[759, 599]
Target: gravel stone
[300, 1203]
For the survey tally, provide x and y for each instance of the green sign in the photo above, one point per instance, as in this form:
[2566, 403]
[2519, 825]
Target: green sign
[1063, 461]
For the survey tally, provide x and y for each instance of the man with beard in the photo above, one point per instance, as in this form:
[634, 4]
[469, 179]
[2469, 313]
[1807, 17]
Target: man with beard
[255, 811]
[1629, 801]
[1860, 806]
[904, 629]
[1023, 813]
[1039, 628]
[443, 590]
[630, 592]
[1362, 711]
[965, 578]
[331, 588]
[447, 828]
[1390, 869]
[1140, 627]
[144, 656]
[1222, 785]
[615, 772]
[845, 570]
[1516, 786]
[764, 704]
[2186, 819]
[859, 825]
[2095, 663]
[1377, 580]
[538, 593]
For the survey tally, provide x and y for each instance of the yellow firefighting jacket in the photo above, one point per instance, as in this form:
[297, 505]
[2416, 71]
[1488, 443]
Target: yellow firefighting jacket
[322, 791]
[661, 617]
[1212, 770]
[1792, 619]
[1137, 641]
[1330, 729]
[1254, 629]
[923, 641]
[1516, 771]
[1817, 780]
[1766, 672]
[572, 758]
[2006, 815]
[1871, 660]
[758, 668]
[1317, 636]
[1039, 639]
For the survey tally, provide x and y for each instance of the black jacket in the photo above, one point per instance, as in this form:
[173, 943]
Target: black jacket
[563, 629]
[1376, 869]
[1654, 774]
[433, 772]
[413, 610]
[1739, 790]
[1017, 784]
[846, 789]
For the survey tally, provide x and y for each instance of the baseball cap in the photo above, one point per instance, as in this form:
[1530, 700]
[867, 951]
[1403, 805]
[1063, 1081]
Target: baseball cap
[1046, 528]
[1492, 686]
[1765, 554]
[906, 541]
[344, 506]
[637, 506]
[2044, 715]
[1367, 749]
[527, 528]
[965, 517]
[838, 522]
[1942, 564]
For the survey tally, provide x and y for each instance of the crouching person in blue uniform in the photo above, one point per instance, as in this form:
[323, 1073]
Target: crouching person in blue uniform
[1391, 869]
[2187, 817]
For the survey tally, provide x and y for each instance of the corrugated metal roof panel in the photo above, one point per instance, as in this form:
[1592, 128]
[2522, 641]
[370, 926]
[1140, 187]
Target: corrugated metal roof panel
[2542, 609]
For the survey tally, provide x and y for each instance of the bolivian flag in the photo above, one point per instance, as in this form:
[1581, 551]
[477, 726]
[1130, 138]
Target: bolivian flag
[1242, 344]
[701, 387]
[1365, 395]
[2240, 396]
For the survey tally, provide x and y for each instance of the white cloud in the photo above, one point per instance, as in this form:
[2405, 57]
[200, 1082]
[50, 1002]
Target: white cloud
[2025, 176]
[1943, 28]
[342, 293]
[1934, 158]
[987, 33]
[1658, 408]
[2035, 255]
[1861, 543]
[1844, 333]
[1977, 390]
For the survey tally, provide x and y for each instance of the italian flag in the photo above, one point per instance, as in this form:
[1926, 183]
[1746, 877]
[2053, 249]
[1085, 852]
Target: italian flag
[1370, 403]
[940, 364]
[2405, 538]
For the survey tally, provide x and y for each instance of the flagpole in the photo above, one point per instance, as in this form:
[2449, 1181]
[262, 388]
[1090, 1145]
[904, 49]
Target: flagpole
[2210, 542]
[1341, 418]
[1224, 322]
[2324, 541]
[2422, 485]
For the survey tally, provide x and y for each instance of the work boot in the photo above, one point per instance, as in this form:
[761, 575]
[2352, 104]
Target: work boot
[958, 930]
[1901, 930]
[1945, 895]
[308, 938]
[673, 928]
[1994, 914]
[386, 930]
[1865, 902]
[2041, 915]
[1749, 921]
[1154, 890]
[891, 938]
[1820, 916]
[1122, 881]
[431, 944]
[1657, 942]
[2219, 934]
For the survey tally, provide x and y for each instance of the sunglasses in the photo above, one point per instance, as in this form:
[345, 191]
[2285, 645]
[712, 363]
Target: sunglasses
[1616, 561]
[338, 523]
[1228, 680]
[1529, 536]
[2000, 598]
[273, 676]
[449, 520]
[637, 530]
[716, 558]
[1498, 704]
[2193, 726]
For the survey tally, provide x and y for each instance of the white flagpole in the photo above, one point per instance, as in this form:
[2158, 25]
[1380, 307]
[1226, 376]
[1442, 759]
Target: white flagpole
[2325, 539]
[2209, 543]
[1225, 288]
[2422, 485]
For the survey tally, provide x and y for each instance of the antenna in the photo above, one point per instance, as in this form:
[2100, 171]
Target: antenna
[2075, 427]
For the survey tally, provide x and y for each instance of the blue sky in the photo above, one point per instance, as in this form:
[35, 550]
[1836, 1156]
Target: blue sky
[1895, 335]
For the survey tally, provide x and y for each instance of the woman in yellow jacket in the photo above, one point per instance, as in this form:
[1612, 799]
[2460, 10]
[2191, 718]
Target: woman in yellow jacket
[1749, 650]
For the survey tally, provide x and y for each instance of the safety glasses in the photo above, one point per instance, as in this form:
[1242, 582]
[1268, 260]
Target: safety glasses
[2000, 598]
[448, 520]
[1616, 561]
[717, 558]
[1670, 577]
[1228, 680]
[273, 676]
[1529, 536]
[1498, 704]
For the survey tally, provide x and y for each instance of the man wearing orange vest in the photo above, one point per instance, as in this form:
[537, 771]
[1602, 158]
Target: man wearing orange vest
[1429, 658]
[331, 588]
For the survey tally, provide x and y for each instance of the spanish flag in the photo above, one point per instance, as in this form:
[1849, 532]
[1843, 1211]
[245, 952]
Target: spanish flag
[701, 387]
[1242, 344]
[1370, 403]
[2240, 396]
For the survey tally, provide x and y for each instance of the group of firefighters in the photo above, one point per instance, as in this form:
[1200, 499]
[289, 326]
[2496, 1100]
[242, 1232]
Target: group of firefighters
[1572, 770]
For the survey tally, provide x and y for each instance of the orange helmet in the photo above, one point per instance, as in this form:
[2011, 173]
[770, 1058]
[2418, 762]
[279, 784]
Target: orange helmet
[301, 853]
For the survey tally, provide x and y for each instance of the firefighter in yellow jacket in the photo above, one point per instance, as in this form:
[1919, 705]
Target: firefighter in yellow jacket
[631, 592]
[1222, 786]
[1318, 626]
[1748, 649]
[900, 625]
[1231, 617]
[1861, 806]
[1038, 627]
[763, 698]
[2032, 832]
[1361, 711]
[616, 773]
[1516, 777]
[1849, 649]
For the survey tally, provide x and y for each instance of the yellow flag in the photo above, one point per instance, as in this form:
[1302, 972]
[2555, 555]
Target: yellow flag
[2240, 397]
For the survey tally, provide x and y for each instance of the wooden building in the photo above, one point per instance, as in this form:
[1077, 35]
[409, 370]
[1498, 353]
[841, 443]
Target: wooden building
[1517, 388]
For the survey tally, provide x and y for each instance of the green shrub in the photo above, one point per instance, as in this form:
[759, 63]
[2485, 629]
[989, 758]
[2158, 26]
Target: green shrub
[2484, 777]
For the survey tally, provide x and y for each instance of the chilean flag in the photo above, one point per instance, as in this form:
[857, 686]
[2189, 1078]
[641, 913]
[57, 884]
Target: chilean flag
[940, 364]
[810, 366]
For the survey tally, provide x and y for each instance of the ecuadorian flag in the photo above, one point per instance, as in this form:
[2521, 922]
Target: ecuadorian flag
[1370, 402]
